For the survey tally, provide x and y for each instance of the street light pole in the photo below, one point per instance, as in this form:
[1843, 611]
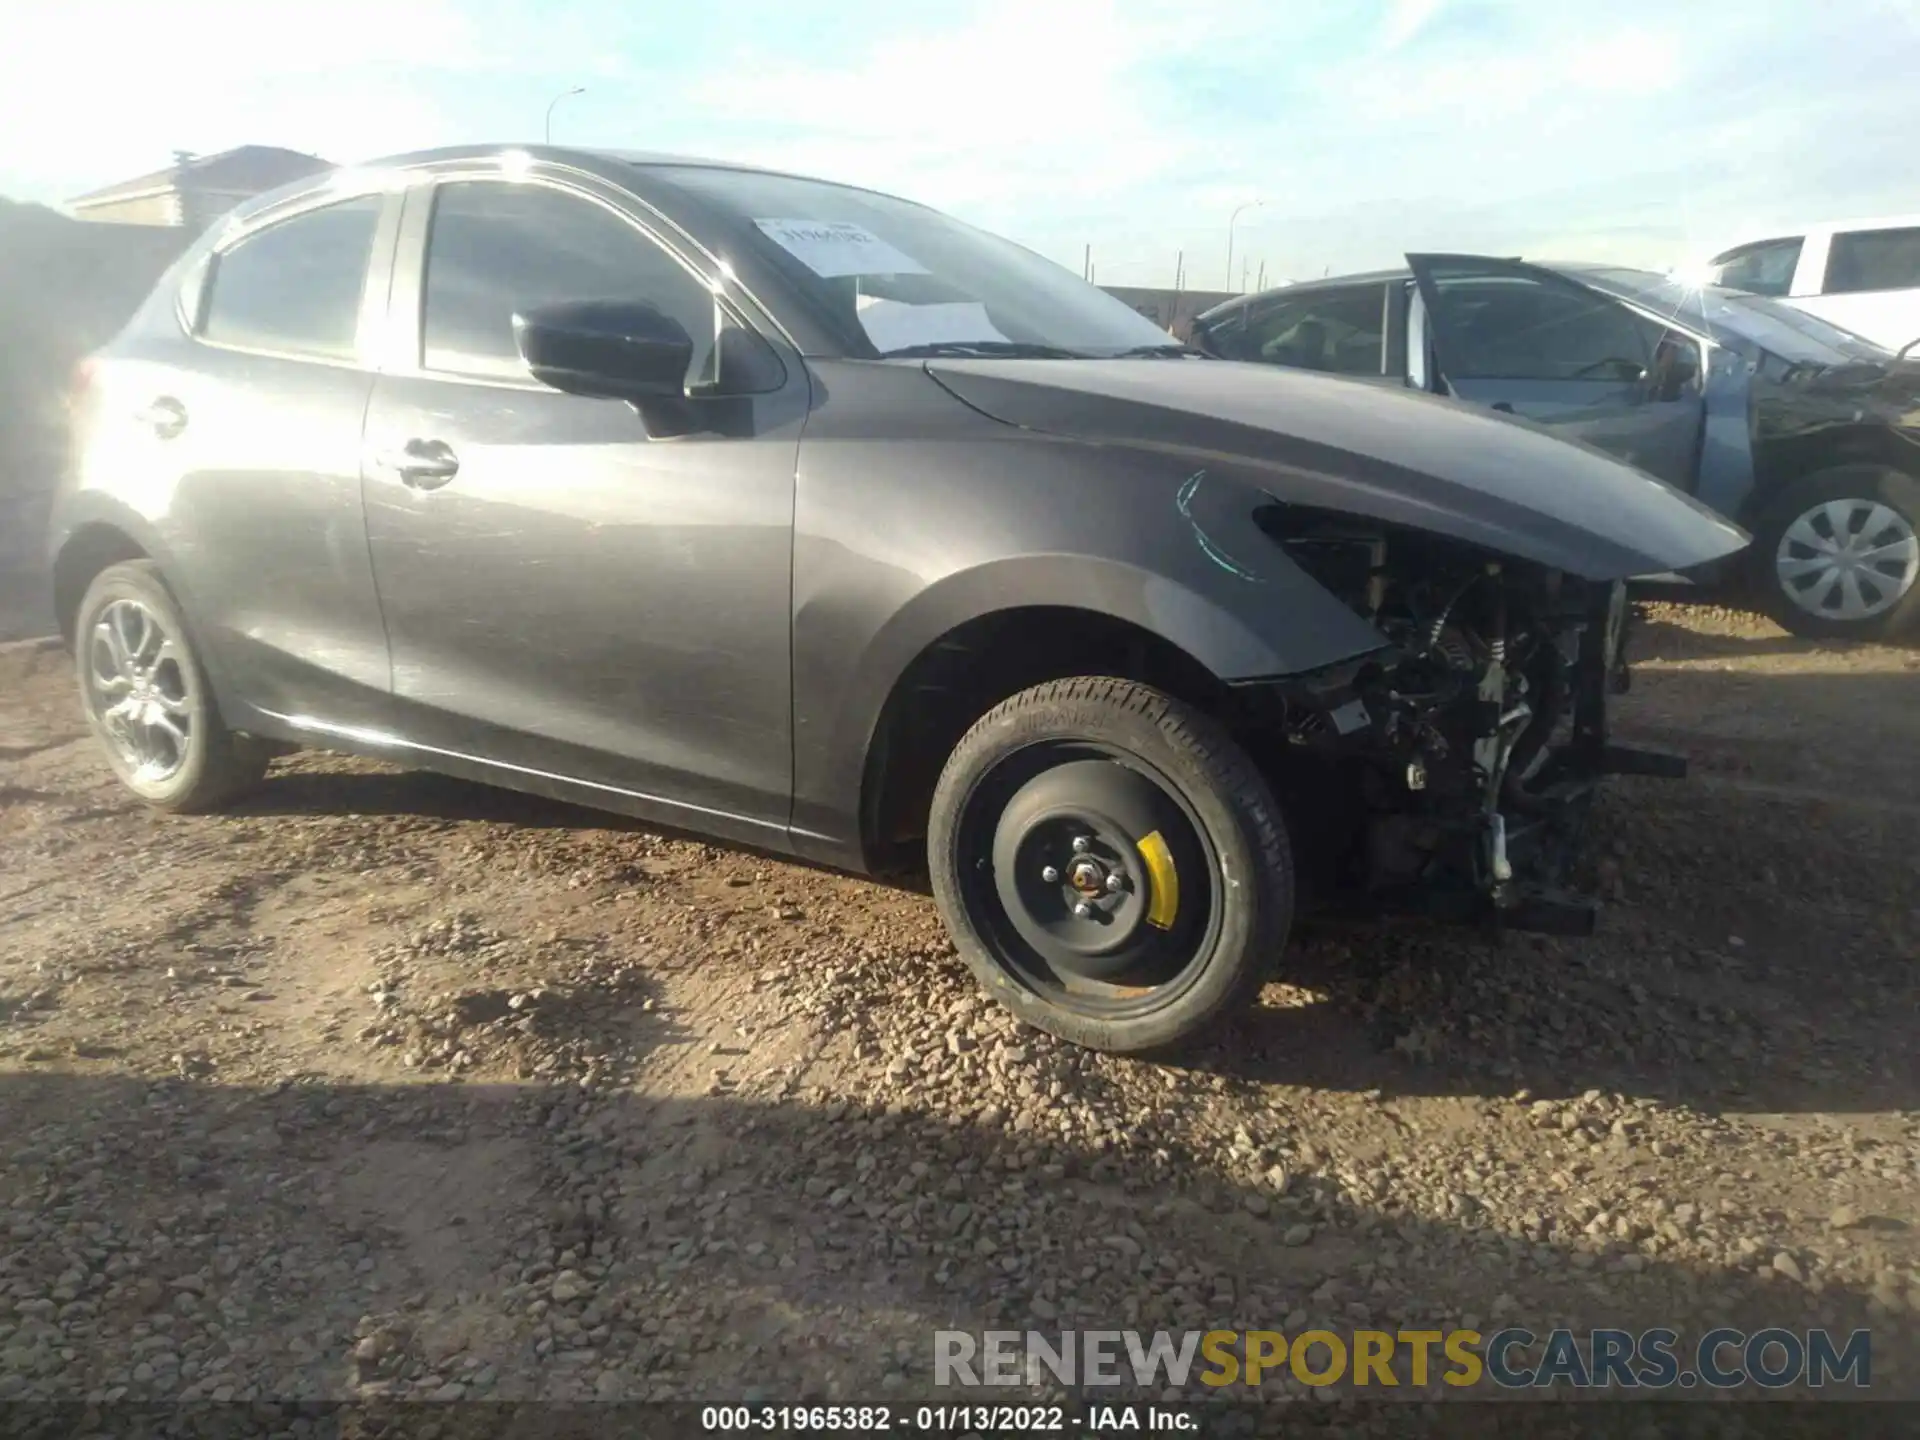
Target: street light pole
[576, 90]
[1232, 221]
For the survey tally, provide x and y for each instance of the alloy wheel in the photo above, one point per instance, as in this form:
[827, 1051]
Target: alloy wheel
[1848, 559]
[137, 691]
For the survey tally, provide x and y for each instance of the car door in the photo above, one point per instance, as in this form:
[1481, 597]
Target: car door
[260, 410]
[1534, 343]
[573, 591]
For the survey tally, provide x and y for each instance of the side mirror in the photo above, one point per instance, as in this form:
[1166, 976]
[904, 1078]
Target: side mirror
[608, 349]
[1676, 366]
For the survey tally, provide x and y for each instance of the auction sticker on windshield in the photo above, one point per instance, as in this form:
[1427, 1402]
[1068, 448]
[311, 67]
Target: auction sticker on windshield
[838, 247]
[892, 325]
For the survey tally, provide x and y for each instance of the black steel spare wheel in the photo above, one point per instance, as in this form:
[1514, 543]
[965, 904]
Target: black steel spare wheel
[1098, 873]
[1111, 864]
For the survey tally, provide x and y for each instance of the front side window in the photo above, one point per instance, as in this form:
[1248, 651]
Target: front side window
[1863, 260]
[295, 287]
[1763, 268]
[1512, 327]
[1338, 331]
[498, 248]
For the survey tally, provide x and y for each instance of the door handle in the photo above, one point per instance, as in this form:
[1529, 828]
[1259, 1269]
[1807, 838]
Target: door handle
[1505, 407]
[421, 464]
[165, 416]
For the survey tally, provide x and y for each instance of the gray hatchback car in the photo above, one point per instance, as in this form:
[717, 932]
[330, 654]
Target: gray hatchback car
[1807, 434]
[809, 518]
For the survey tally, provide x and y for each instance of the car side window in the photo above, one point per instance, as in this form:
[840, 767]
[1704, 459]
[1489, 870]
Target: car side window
[295, 287]
[1337, 330]
[1765, 267]
[1519, 327]
[1863, 260]
[497, 248]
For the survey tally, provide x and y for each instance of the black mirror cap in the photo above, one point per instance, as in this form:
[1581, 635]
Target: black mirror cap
[608, 349]
[1676, 367]
[1200, 336]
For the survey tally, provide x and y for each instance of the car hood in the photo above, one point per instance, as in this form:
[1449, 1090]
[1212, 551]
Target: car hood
[1881, 390]
[1388, 454]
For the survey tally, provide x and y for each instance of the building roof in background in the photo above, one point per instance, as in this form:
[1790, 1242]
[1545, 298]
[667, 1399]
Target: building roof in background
[246, 169]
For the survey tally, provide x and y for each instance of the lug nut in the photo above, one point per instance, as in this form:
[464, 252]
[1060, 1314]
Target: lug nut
[1081, 844]
[1114, 882]
[1083, 909]
[1050, 874]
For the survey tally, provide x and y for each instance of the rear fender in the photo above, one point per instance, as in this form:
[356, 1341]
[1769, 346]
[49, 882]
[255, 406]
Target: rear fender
[83, 516]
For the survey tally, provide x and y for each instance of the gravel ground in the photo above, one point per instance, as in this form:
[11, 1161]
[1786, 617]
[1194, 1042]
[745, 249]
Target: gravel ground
[390, 1085]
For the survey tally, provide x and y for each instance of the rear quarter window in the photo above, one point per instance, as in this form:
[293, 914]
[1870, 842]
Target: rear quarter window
[1765, 267]
[1865, 260]
[294, 287]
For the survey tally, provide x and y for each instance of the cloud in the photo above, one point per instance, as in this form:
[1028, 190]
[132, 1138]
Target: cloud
[1623, 133]
[1405, 20]
[108, 90]
[1369, 126]
[1013, 105]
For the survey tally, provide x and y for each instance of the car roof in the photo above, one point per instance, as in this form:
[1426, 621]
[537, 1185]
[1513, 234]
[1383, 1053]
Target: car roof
[1755, 235]
[608, 163]
[1382, 277]
[1306, 287]
[602, 155]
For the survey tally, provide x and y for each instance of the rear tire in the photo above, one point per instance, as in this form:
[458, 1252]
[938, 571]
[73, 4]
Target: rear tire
[147, 699]
[1112, 866]
[1837, 555]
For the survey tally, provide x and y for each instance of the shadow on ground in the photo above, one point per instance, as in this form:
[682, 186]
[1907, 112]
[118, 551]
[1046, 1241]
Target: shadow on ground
[1657, 636]
[1753, 953]
[712, 1247]
[417, 793]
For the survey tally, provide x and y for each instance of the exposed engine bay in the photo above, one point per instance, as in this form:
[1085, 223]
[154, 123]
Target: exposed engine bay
[1454, 768]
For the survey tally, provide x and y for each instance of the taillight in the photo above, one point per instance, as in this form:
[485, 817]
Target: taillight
[82, 398]
[80, 386]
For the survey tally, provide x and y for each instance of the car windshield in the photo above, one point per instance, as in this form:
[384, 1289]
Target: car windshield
[1788, 332]
[895, 278]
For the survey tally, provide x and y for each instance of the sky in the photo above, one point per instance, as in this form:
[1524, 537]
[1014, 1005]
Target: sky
[1637, 131]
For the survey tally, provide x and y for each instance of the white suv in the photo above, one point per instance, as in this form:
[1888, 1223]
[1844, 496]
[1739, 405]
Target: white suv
[1863, 275]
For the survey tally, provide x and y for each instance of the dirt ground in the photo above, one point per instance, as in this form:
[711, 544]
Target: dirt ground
[394, 1085]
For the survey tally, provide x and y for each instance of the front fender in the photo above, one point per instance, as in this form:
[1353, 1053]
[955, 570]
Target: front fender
[1235, 626]
[883, 572]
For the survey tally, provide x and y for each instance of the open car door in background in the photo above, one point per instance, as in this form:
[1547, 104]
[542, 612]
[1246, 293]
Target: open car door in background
[1539, 345]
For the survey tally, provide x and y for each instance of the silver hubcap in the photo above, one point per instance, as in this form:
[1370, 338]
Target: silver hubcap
[137, 690]
[1848, 559]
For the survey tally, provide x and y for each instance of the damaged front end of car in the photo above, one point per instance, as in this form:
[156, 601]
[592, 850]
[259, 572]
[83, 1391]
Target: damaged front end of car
[1450, 773]
[1434, 596]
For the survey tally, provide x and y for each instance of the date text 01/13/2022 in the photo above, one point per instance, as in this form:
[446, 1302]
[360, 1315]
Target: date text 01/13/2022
[942, 1419]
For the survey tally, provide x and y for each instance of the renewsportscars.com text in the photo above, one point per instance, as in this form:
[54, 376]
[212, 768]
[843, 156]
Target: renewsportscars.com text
[1512, 1358]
